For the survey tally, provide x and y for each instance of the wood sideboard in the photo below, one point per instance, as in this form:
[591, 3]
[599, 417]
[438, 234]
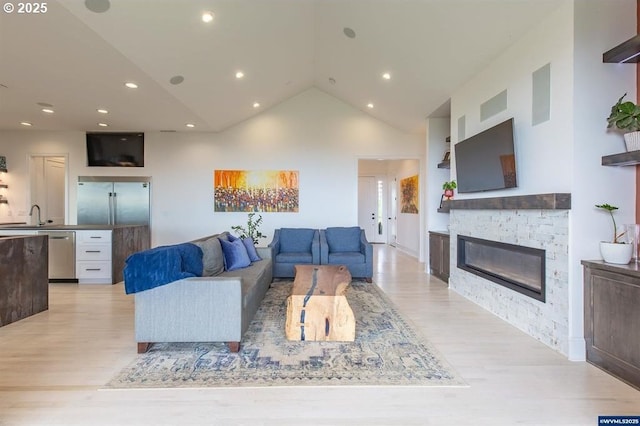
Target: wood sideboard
[439, 256]
[612, 318]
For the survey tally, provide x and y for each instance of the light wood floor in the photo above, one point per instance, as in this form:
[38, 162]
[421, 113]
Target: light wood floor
[53, 365]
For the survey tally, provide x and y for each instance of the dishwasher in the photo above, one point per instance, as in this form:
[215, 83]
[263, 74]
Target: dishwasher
[62, 255]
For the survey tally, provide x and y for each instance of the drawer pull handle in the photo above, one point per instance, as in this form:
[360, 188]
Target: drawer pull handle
[94, 269]
[93, 251]
[94, 237]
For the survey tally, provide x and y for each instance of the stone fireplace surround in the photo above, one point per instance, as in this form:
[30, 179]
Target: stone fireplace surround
[536, 221]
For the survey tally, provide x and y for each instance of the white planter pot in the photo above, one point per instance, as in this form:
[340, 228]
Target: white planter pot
[632, 141]
[616, 252]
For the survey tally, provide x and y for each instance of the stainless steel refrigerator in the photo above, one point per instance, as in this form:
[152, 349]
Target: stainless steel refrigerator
[113, 200]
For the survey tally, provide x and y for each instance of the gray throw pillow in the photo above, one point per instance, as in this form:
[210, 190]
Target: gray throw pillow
[212, 258]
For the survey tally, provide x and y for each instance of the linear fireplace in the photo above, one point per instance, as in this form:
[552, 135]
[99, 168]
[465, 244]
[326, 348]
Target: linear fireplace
[519, 268]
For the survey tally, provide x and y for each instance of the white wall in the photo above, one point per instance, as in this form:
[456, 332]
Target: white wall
[408, 224]
[597, 86]
[313, 133]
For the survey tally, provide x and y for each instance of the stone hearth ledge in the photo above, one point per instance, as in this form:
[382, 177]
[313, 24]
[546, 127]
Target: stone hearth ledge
[552, 201]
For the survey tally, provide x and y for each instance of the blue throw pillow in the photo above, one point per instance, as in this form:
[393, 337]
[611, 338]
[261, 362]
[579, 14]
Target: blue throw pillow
[231, 238]
[235, 255]
[251, 249]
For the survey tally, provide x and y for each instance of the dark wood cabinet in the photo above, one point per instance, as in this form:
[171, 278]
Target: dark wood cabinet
[611, 315]
[439, 255]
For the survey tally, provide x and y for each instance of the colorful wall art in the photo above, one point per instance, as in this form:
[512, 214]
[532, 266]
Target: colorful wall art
[409, 194]
[256, 190]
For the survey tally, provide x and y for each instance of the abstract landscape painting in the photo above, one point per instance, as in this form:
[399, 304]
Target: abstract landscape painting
[256, 190]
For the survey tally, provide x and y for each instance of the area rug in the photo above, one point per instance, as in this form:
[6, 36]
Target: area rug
[387, 351]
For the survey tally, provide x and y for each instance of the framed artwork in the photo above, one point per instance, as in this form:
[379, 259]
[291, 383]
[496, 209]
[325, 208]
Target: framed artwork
[256, 191]
[409, 195]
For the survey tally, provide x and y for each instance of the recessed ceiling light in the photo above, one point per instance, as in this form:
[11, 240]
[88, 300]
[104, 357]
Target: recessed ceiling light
[177, 79]
[131, 85]
[97, 6]
[349, 32]
[207, 16]
[102, 111]
[47, 110]
[256, 104]
[103, 124]
[190, 125]
[386, 76]
[26, 123]
[239, 74]
[369, 105]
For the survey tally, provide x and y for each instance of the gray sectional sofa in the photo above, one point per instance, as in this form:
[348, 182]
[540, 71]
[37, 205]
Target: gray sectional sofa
[216, 307]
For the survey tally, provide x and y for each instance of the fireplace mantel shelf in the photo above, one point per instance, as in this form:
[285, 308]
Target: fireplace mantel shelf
[553, 201]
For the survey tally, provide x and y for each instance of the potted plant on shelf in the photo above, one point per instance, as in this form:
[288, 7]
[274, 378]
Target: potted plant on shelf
[615, 251]
[625, 116]
[448, 188]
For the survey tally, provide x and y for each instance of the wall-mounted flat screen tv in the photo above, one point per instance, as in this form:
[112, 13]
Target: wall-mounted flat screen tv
[487, 161]
[115, 149]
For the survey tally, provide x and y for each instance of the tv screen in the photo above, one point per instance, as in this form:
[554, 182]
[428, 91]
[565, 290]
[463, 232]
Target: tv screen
[115, 149]
[487, 161]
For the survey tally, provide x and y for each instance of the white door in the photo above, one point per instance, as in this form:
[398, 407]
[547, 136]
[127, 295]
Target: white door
[48, 181]
[368, 206]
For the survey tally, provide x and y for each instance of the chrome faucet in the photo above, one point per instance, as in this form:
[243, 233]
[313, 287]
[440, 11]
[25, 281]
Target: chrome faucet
[38, 223]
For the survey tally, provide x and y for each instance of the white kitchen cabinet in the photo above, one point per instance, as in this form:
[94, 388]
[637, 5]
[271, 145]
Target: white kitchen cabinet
[93, 257]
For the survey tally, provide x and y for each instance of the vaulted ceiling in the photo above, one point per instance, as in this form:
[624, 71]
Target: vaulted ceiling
[78, 54]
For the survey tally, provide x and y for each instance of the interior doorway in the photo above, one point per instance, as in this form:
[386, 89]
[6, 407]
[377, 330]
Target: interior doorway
[48, 187]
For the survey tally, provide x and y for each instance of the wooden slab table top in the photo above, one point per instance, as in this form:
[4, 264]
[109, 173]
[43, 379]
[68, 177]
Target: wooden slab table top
[317, 309]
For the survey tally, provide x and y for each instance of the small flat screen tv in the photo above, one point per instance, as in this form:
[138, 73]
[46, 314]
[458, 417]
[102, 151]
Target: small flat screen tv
[486, 161]
[115, 149]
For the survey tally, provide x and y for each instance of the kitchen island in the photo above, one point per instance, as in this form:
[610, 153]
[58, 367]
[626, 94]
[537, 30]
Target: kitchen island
[24, 287]
[99, 251]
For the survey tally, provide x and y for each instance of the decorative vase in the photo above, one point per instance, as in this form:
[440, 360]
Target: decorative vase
[448, 193]
[632, 141]
[618, 253]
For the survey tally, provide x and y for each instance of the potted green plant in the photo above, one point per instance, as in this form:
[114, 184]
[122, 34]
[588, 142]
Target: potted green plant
[251, 231]
[615, 251]
[448, 188]
[625, 116]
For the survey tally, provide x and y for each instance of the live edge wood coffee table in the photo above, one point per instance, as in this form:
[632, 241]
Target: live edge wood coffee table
[317, 309]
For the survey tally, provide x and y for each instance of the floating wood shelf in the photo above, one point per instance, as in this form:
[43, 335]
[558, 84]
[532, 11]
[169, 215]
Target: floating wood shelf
[444, 164]
[3, 201]
[627, 52]
[3, 185]
[554, 201]
[630, 158]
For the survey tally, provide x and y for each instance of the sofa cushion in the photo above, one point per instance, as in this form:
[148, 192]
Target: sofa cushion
[251, 249]
[235, 255]
[212, 257]
[296, 239]
[294, 257]
[343, 239]
[346, 258]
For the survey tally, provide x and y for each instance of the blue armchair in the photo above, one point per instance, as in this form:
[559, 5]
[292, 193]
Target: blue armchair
[349, 247]
[294, 246]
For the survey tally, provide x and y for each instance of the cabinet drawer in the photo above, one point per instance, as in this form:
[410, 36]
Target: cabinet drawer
[93, 236]
[93, 251]
[95, 270]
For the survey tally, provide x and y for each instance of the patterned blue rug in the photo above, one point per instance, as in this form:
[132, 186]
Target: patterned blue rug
[387, 351]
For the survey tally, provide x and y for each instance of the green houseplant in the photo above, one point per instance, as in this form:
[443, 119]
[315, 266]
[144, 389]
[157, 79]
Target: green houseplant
[615, 251]
[251, 231]
[625, 116]
[448, 188]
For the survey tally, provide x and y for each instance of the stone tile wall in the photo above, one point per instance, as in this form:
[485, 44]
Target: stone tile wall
[543, 229]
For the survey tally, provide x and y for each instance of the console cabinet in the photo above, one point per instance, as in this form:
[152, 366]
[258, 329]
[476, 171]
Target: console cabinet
[439, 255]
[611, 318]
